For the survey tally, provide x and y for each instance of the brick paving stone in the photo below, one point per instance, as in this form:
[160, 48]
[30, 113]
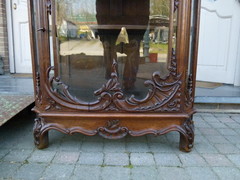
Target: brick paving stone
[197, 118]
[201, 124]
[3, 153]
[227, 173]
[86, 173]
[209, 131]
[205, 147]
[162, 147]
[200, 139]
[92, 146]
[221, 115]
[233, 139]
[114, 147]
[226, 148]
[17, 155]
[218, 125]
[70, 145]
[201, 173]
[192, 160]
[238, 146]
[142, 159]
[217, 139]
[234, 158]
[227, 132]
[226, 120]
[235, 117]
[144, 173]
[217, 160]
[95, 138]
[7, 170]
[205, 114]
[116, 173]
[94, 158]
[173, 137]
[136, 139]
[66, 157]
[58, 171]
[42, 156]
[157, 139]
[210, 119]
[234, 125]
[197, 131]
[167, 159]
[137, 147]
[30, 171]
[121, 159]
[166, 173]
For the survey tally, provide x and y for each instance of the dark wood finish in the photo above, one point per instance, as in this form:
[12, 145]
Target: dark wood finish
[168, 106]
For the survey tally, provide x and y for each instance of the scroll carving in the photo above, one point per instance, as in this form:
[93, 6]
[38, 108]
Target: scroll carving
[188, 127]
[112, 87]
[113, 130]
[163, 96]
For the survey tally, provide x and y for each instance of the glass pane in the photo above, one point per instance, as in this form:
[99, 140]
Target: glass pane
[92, 34]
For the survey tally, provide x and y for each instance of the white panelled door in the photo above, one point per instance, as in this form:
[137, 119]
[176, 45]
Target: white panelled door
[22, 52]
[218, 41]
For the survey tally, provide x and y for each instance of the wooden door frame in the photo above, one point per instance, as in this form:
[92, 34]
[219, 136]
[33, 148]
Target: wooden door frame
[10, 36]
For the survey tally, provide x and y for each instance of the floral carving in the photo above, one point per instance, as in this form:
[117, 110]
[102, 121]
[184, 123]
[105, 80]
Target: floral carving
[49, 6]
[189, 99]
[176, 4]
[38, 96]
[37, 130]
[52, 105]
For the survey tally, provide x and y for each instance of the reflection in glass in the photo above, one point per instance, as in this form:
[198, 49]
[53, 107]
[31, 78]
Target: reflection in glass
[91, 34]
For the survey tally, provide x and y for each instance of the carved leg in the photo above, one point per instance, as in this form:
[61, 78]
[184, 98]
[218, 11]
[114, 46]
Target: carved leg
[187, 138]
[40, 139]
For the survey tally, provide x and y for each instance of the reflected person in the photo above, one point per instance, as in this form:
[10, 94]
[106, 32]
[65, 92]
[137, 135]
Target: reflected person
[111, 16]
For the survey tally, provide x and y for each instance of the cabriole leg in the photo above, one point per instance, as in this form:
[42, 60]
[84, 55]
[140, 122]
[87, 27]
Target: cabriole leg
[187, 137]
[40, 139]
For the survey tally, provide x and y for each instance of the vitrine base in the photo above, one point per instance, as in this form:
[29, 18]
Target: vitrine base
[114, 126]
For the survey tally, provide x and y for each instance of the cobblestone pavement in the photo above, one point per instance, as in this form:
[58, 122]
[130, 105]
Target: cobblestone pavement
[216, 154]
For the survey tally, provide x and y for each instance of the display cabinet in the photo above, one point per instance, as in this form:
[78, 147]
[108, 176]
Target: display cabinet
[114, 67]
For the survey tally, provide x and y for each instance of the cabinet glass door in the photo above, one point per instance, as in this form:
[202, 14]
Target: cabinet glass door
[106, 46]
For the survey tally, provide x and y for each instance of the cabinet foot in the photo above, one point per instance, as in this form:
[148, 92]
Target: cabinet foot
[187, 136]
[40, 138]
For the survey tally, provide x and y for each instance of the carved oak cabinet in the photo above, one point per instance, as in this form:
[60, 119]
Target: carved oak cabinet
[114, 67]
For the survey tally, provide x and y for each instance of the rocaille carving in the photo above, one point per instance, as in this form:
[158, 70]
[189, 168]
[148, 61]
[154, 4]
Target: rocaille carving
[112, 87]
[159, 97]
[113, 130]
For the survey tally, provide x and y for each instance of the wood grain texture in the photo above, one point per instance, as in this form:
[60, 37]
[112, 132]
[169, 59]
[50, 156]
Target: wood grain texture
[167, 107]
